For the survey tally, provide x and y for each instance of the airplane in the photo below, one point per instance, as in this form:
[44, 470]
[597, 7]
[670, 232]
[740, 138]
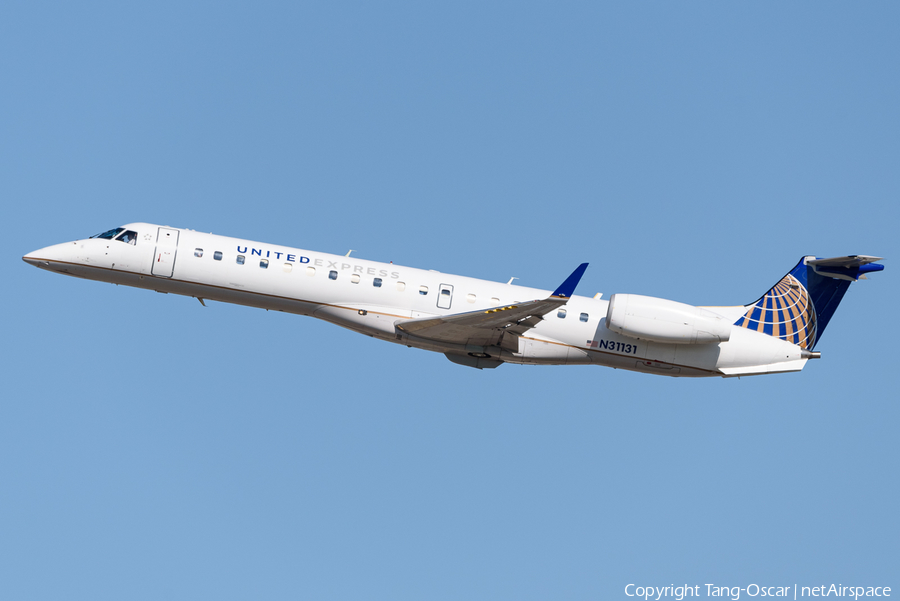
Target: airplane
[477, 323]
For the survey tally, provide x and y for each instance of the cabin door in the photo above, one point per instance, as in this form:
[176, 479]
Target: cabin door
[445, 296]
[166, 246]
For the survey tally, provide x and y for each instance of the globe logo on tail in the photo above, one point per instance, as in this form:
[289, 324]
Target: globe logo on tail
[785, 312]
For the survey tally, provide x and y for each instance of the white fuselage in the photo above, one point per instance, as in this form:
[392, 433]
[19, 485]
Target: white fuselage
[371, 298]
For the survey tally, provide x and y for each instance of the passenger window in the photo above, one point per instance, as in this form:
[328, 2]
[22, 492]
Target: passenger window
[423, 290]
[470, 298]
[354, 278]
[561, 314]
[310, 271]
[198, 252]
[377, 282]
[217, 255]
[401, 286]
[583, 317]
[240, 259]
[129, 237]
[287, 267]
[332, 275]
[264, 263]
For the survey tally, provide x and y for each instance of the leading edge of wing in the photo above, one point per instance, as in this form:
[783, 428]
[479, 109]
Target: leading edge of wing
[516, 318]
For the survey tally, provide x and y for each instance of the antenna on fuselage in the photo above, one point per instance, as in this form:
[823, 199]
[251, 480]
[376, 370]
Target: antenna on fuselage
[348, 252]
[510, 281]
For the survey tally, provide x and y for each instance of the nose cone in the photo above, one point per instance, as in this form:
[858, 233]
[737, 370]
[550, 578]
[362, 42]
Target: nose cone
[32, 258]
[52, 257]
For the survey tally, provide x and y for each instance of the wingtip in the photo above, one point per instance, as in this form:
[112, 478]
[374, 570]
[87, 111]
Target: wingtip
[567, 288]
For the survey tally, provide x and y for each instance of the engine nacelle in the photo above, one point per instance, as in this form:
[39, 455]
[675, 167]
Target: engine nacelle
[662, 320]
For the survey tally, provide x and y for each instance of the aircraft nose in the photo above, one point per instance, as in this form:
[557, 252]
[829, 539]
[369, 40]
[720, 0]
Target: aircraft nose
[46, 257]
[36, 257]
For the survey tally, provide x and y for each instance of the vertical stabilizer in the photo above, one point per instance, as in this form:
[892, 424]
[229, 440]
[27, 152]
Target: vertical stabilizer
[800, 305]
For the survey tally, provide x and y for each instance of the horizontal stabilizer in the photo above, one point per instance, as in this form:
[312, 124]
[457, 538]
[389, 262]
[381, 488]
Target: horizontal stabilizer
[846, 268]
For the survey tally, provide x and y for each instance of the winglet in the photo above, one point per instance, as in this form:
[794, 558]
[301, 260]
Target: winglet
[566, 289]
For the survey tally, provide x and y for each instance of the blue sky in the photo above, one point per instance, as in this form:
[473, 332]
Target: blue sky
[152, 448]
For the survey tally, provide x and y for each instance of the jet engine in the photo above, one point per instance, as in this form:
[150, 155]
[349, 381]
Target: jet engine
[661, 320]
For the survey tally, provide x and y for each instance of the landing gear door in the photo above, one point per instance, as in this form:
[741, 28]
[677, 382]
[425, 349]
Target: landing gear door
[166, 246]
[445, 296]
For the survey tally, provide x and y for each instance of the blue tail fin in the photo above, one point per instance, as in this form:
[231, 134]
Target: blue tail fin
[801, 304]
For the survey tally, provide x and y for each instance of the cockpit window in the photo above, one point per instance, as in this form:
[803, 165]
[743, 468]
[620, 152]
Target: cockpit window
[129, 237]
[110, 234]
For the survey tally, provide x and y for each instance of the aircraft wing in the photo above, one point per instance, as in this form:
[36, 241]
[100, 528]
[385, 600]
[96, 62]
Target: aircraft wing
[498, 326]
